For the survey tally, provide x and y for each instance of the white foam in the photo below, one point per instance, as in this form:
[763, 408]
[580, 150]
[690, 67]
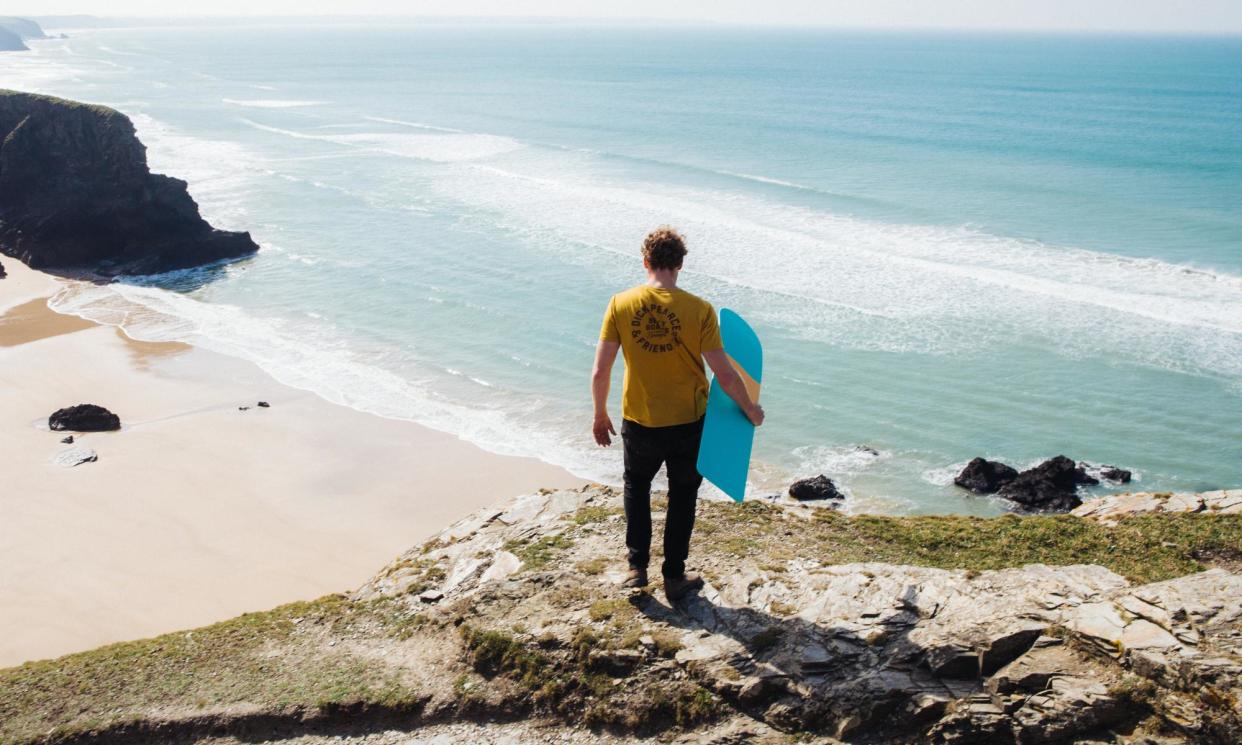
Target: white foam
[767, 180]
[836, 460]
[222, 174]
[272, 103]
[305, 354]
[875, 286]
[414, 125]
[441, 147]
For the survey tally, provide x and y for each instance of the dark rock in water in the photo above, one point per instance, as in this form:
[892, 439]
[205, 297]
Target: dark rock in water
[867, 449]
[243, 408]
[1052, 486]
[820, 487]
[985, 476]
[76, 194]
[1117, 475]
[264, 405]
[11, 42]
[68, 440]
[1108, 473]
[84, 418]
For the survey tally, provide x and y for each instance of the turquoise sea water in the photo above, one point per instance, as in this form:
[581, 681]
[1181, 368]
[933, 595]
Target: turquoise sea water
[952, 245]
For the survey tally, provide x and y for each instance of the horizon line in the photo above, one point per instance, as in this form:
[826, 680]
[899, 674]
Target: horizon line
[623, 21]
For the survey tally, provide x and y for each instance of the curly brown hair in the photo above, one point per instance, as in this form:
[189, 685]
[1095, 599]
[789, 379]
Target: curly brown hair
[664, 248]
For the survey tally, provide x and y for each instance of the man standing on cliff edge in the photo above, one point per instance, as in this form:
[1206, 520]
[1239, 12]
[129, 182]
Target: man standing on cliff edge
[665, 334]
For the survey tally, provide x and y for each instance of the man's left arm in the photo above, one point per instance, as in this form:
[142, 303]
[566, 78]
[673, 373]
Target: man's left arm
[601, 381]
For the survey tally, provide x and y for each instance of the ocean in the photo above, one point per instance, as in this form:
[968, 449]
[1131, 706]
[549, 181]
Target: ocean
[952, 244]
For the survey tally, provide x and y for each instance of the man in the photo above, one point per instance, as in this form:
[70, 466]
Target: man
[664, 333]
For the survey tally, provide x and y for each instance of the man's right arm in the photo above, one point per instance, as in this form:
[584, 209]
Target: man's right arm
[732, 384]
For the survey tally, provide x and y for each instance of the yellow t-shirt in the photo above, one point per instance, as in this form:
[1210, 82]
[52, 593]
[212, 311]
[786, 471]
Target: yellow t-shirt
[663, 335]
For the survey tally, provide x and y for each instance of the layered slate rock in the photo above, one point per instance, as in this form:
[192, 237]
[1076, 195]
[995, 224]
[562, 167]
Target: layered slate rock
[819, 488]
[84, 418]
[75, 457]
[984, 476]
[1113, 507]
[76, 195]
[1052, 486]
[866, 653]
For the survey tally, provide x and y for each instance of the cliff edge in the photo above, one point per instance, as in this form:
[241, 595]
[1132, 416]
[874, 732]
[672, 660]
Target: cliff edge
[510, 626]
[76, 195]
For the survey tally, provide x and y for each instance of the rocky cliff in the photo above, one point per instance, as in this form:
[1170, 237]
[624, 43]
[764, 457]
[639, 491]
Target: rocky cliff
[76, 195]
[510, 626]
[23, 27]
[11, 42]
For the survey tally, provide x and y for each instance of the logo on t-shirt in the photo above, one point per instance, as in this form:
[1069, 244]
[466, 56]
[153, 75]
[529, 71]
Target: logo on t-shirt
[655, 328]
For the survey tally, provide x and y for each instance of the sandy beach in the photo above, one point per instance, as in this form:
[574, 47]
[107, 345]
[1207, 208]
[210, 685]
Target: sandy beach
[196, 511]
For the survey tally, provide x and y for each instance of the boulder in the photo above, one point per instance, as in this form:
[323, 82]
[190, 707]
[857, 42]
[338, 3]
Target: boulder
[84, 418]
[1116, 475]
[1107, 473]
[985, 476]
[820, 487]
[2, 272]
[1052, 486]
[76, 195]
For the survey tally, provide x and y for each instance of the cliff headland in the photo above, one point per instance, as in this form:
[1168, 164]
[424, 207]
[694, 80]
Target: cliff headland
[76, 195]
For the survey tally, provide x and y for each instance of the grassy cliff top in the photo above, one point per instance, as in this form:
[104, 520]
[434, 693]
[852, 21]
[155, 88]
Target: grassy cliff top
[330, 664]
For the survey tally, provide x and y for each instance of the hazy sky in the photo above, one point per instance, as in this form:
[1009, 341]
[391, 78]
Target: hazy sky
[1133, 15]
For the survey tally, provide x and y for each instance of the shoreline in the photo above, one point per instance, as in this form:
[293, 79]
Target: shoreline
[197, 511]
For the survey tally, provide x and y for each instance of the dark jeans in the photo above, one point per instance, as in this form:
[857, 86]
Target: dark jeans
[646, 449]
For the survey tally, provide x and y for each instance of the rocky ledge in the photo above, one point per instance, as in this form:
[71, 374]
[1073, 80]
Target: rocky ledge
[76, 195]
[1116, 507]
[813, 626]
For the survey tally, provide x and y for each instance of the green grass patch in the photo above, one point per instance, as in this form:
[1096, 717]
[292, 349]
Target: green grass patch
[1142, 548]
[593, 513]
[274, 658]
[593, 566]
[537, 553]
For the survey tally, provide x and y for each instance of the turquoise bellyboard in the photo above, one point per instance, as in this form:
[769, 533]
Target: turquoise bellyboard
[724, 454]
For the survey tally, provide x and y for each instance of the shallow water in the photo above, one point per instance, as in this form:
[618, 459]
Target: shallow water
[952, 245]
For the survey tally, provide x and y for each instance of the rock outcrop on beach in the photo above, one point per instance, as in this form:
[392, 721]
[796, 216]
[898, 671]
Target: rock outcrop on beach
[76, 195]
[75, 457]
[83, 418]
[812, 625]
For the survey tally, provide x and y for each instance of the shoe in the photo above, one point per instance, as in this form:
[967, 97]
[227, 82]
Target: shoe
[676, 588]
[635, 578]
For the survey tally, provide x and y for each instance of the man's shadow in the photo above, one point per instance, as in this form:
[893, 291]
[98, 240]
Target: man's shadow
[795, 674]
